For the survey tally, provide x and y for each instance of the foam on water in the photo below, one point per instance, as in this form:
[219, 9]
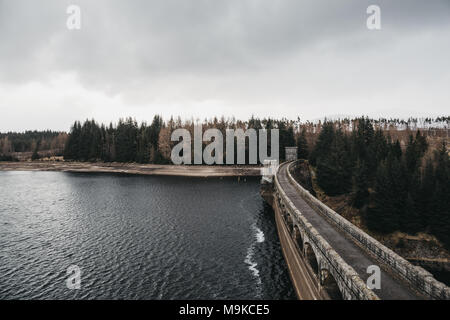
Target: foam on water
[249, 259]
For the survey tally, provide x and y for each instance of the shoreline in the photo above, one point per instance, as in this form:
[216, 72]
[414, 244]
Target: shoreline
[133, 168]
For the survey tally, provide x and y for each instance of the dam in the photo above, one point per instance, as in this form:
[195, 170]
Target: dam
[330, 258]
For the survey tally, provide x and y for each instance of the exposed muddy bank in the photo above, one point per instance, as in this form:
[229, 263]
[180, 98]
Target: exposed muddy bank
[133, 168]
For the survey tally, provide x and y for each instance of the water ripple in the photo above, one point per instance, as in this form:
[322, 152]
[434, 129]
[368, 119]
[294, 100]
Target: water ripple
[137, 237]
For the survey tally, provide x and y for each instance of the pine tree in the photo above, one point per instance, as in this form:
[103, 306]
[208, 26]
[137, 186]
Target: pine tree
[383, 216]
[287, 138]
[396, 149]
[126, 140]
[411, 221]
[360, 185]
[379, 216]
[411, 155]
[155, 129]
[424, 202]
[71, 149]
[35, 155]
[441, 200]
[377, 151]
[302, 145]
[323, 144]
[334, 168]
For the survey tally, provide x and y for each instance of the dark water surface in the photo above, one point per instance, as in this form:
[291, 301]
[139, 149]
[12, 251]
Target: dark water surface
[137, 237]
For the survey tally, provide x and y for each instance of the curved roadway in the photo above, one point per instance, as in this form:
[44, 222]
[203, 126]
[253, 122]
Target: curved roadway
[391, 287]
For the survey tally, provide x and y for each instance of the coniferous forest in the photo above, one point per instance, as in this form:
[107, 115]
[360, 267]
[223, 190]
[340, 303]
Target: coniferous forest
[396, 189]
[151, 143]
[387, 168]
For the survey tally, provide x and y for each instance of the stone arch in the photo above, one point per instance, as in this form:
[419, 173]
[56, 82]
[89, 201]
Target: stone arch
[284, 214]
[290, 223]
[298, 237]
[310, 256]
[330, 285]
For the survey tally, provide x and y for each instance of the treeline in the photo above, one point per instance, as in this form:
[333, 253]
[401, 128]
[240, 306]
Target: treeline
[391, 174]
[396, 188]
[125, 142]
[128, 141]
[13, 143]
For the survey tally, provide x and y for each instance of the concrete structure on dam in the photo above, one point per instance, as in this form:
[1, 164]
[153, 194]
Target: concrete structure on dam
[330, 258]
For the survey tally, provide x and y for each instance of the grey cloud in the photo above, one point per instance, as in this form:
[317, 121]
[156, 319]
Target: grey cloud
[250, 51]
[150, 38]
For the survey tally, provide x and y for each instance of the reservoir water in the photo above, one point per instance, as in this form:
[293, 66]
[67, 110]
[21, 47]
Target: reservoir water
[137, 237]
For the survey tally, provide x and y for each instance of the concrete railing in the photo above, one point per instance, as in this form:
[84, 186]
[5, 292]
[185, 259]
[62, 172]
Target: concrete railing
[422, 280]
[349, 280]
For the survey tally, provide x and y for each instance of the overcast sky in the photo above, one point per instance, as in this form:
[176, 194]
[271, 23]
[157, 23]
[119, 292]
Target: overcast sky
[200, 58]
